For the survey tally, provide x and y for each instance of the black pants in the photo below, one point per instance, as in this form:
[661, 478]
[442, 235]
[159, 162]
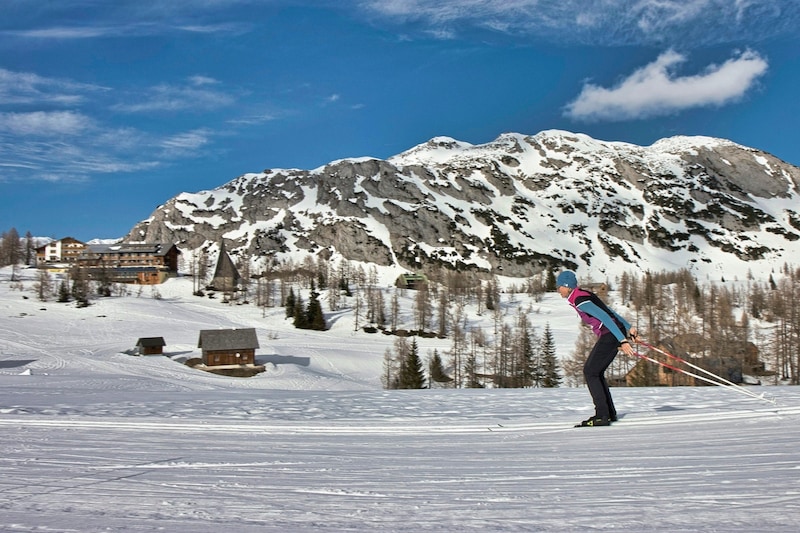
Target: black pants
[604, 351]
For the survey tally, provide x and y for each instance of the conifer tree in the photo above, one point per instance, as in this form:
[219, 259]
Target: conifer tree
[436, 369]
[550, 283]
[551, 376]
[291, 300]
[314, 316]
[63, 292]
[412, 374]
[300, 317]
[80, 287]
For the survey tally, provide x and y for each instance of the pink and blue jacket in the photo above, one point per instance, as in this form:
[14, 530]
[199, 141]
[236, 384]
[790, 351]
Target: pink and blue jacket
[597, 314]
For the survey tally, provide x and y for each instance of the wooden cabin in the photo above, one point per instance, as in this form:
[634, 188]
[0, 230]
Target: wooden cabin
[150, 346]
[228, 346]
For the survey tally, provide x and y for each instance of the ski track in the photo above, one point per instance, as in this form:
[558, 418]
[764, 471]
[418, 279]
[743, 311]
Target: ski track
[402, 477]
[97, 441]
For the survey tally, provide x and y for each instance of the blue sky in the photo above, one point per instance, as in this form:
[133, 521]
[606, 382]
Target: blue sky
[108, 109]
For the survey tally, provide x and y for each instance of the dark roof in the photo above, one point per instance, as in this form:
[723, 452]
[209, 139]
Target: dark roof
[148, 342]
[228, 339]
[65, 239]
[123, 248]
[226, 272]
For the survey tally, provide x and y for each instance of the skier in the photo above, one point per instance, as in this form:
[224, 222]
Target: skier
[611, 330]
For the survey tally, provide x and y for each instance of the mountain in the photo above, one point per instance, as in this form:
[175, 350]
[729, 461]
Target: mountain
[511, 207]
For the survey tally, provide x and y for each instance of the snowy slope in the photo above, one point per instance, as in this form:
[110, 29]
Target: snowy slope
[96, 440]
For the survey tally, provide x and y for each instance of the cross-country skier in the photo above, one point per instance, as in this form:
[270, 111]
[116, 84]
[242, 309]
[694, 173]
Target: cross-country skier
[611, 330]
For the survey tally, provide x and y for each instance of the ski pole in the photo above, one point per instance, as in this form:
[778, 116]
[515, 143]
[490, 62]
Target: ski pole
[715, 376]
[677, 369]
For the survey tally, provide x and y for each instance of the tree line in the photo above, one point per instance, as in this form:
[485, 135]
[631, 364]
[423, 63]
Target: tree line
[734, 318]
[751, 320]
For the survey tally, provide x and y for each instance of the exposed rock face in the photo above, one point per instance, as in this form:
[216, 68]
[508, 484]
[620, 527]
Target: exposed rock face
[511, 207]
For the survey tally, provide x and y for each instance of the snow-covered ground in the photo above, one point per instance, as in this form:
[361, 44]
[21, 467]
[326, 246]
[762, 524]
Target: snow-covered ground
[95, 440]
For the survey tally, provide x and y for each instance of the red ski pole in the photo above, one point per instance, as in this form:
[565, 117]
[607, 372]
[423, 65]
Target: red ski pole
[675, 368]
[722, 381]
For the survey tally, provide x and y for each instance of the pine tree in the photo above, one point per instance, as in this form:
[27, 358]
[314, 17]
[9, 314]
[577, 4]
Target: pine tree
[436, 369]
[551, 377]
[80, 287]
[300, 317]
[492, 295]
[314, 315]
[291, 300]
[550, 283]
[527, 360]
[412, 374]
[63, 292]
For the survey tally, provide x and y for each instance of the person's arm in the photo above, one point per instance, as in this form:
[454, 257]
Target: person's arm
[596, 311]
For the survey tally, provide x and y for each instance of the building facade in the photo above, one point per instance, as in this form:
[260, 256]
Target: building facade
[66, 250]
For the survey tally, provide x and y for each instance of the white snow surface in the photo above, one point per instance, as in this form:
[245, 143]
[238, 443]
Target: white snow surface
[95, 440]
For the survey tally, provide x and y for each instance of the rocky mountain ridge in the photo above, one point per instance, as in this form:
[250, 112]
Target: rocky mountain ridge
[510, 207]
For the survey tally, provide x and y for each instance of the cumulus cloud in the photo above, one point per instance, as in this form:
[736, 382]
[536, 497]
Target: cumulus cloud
[656, 89]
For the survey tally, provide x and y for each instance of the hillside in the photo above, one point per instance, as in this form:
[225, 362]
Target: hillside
[511, 207]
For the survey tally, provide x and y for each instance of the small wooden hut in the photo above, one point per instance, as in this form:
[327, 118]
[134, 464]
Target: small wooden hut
[228, 346]
[150, 346]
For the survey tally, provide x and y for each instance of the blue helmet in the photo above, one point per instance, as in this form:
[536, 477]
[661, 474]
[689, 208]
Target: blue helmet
[567, 279]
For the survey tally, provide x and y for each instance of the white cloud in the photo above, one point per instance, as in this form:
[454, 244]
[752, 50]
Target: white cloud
[656, 90]
[186, 143]
[601, 22]
[203, 80]
[61, 32]
[29, 88]
[166, 97]
[44, 123]
[73, 159]
[254, 119]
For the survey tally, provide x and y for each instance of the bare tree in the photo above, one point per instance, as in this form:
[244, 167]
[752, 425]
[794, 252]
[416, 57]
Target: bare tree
[43, 285]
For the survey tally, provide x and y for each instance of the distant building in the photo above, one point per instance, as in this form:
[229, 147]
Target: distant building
[150, 346]
[66, 250]
[228, 346]
[411, 281]
[226, 276]
[139, 263]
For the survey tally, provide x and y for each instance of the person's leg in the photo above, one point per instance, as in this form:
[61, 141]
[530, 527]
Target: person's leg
[612, 411]
[599, 359]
